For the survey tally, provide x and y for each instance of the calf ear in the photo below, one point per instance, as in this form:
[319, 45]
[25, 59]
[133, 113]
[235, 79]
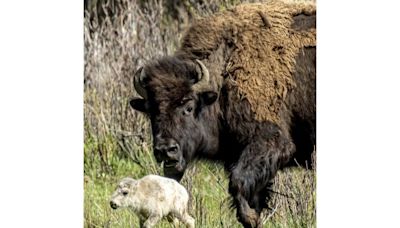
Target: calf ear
[131, 183]
[209, 97]
[138, 104]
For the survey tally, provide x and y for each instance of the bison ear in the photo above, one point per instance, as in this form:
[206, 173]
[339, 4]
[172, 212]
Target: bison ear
[138, 104]
[209, 97]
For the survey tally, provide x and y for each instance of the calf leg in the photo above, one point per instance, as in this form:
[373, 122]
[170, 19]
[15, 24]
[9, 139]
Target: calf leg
[151, 221]
[172, 219]
[253, 173]
[142, 219]
[186, 219]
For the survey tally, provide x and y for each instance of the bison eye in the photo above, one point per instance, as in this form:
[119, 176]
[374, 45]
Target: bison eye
[188, 110]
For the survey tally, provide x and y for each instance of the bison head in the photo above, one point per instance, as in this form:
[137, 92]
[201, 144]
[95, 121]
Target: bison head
[177, 97]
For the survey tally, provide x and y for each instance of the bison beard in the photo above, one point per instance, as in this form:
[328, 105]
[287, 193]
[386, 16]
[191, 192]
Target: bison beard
[228, 97]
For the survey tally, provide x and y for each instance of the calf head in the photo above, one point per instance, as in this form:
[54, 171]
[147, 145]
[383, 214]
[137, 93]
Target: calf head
[122, 195]
[175, 94]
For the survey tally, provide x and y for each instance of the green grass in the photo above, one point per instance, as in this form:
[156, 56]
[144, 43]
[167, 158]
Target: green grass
[117, 138]
[207, 183]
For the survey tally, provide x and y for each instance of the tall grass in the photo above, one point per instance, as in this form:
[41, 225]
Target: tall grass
[117, 139]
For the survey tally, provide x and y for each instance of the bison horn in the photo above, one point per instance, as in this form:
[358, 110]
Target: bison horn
[138, 82]
[203, 78]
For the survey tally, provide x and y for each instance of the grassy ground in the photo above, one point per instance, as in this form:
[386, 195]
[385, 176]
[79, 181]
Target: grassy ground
[207, 184]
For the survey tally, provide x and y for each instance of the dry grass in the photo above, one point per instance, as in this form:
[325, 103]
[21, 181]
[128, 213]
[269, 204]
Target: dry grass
[117, 139]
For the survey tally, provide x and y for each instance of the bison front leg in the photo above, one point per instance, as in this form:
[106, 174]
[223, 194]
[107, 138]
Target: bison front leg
[253, 174]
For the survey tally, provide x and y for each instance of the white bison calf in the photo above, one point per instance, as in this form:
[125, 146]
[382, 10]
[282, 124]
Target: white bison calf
[152, 198]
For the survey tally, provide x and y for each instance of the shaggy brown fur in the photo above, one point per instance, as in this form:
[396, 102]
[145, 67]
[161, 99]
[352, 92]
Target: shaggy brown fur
[265, 47]
[258, 113]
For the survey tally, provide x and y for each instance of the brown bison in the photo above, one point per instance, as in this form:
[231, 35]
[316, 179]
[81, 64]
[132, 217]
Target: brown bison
[241, 91]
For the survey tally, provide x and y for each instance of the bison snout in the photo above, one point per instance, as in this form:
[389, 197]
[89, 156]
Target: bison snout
[166, 150]
[113, 205]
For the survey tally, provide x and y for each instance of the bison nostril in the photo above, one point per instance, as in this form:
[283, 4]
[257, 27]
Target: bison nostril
[165, 150]
[172, 149]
